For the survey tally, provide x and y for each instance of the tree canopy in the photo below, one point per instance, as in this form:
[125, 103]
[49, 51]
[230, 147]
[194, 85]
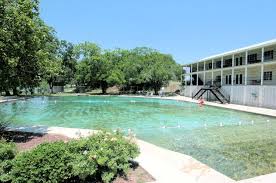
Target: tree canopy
[30, 54]
[142, 67]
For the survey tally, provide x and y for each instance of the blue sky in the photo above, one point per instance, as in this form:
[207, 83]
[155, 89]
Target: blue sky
[188, 30]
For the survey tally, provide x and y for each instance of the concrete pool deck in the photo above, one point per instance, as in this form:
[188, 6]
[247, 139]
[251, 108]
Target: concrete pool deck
[11, 99]
[256, 110]
[164, 165]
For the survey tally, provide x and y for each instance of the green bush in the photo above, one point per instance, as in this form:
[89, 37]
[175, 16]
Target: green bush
[7, 153]
[49, 162]
[100, 157]
[105, 155]
[7, 150]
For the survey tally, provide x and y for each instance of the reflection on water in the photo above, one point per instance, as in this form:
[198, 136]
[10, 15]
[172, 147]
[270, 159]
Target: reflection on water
[238, 144]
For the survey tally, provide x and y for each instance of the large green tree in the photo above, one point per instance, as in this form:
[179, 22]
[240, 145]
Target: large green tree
[23, 38]
[158, 70]
[97, 68]
[69, 62]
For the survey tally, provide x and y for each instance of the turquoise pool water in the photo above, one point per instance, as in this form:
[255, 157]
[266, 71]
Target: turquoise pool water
[238, 144]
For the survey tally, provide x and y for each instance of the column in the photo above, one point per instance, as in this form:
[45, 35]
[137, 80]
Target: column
[221, 62]
[232, 85]
[245, 76]
[262, 80]
[212, 77]
[245, 81]
[262, 54]
[212, 64]
[212, 72]
[233, 62]
[246, 57]
[232, 78]
[262, 74]
[191, 78]
[204, 69]
[221, 77]
[197, 74]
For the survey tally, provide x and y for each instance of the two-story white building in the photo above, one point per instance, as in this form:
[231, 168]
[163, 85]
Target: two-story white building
[246, 76]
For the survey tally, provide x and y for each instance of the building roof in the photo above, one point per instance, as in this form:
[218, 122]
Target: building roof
[251, 47]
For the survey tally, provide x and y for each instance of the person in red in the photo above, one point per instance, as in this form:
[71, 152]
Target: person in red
[201, 102]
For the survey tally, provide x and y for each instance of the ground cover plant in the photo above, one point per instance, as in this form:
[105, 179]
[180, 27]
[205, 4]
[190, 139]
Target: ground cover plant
[99, 158]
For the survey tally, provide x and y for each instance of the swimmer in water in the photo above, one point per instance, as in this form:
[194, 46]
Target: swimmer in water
[201, 102]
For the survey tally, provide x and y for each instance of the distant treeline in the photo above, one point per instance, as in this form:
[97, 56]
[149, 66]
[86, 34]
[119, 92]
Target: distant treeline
[31, 54]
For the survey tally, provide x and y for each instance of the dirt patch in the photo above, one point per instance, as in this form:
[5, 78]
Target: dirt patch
[135, 175]
[26, 141]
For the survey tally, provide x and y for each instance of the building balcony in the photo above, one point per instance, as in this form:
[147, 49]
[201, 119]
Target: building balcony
[217, 65]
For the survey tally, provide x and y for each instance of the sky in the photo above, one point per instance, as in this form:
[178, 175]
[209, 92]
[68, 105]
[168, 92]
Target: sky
[187, 29]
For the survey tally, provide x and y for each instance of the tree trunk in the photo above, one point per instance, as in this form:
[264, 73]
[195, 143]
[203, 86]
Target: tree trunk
[32, 91]
[104, 87]
[50, 82]
[51, 88]
[14, 91]
[155, 90]
[8, 93]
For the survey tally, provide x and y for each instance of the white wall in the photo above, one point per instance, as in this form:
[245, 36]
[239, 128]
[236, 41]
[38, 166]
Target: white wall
[251, 95]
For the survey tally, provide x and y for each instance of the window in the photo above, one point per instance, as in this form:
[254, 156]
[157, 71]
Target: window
[268, 55]
[218, 64]
[210, 65]
[240, 78]
[252, 57]
[237, 61]
[227, 63]
[218, 78]
[228, 79]
[240, 60]
[268, 76]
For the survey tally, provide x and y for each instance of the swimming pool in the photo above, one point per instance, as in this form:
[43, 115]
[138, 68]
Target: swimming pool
[238, 144]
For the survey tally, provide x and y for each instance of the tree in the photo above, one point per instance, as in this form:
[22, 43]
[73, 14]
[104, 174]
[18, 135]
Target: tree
[69, 61]
[158, 71]
[23, 38]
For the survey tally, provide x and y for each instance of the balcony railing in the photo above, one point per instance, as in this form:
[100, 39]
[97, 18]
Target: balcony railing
[200, 68]
[217, 65]
[254, 81]
[269, 55]
[253, 61]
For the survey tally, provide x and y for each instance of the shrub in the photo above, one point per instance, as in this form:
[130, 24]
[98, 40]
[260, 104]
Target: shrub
[7, 150]
[100, 157]
[49, 162]
[105, 155]
[7, 153]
